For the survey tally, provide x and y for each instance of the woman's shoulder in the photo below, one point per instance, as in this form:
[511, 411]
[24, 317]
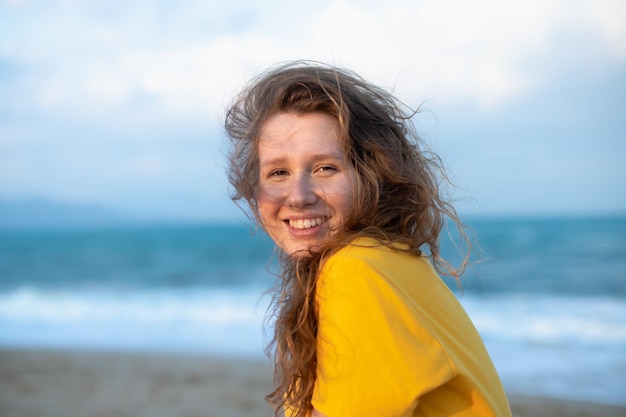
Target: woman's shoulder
[370, 250]
[391, 260]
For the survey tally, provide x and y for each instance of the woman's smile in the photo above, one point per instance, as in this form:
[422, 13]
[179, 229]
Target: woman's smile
[306, 223]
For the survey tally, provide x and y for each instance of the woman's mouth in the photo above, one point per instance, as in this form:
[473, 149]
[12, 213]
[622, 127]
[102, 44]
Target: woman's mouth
[307, 223]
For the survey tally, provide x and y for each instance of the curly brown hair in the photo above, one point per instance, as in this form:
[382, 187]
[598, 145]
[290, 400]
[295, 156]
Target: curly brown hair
[399, 196]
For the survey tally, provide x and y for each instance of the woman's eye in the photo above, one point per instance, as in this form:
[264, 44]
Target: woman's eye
[278, 173]
[327, 168]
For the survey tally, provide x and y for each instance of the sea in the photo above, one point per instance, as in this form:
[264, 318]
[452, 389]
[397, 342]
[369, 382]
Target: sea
[548, 295]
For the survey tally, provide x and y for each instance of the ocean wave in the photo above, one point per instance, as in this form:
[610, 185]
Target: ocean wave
[201, 320]
[513, 318]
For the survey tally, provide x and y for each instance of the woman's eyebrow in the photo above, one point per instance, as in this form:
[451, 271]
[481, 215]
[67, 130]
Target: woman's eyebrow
[326, 156]
[281, 160]
[273, 162]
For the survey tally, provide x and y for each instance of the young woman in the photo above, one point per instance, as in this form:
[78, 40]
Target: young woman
[330, 167]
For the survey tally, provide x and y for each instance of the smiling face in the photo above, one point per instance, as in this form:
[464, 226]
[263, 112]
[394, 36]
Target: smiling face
[305, 183]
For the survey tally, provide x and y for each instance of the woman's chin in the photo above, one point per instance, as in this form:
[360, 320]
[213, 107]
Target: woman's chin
[302, 249]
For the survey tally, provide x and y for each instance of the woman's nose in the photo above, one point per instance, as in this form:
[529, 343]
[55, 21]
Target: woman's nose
[302, 192]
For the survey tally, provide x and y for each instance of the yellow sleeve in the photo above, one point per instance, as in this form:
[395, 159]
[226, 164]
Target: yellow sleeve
[376, 356]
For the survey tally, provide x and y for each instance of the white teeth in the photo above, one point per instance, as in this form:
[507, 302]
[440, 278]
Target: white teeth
[306, 224]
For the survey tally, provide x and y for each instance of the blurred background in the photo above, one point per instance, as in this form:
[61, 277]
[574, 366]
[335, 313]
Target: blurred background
[116, 230]
[119, 105]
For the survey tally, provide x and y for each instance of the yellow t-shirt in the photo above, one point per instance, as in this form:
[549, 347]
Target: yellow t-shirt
[394, 341]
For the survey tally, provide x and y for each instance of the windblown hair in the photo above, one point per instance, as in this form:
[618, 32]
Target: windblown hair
[399, 196]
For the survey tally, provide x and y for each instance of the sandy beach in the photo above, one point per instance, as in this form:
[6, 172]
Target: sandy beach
[37, 383]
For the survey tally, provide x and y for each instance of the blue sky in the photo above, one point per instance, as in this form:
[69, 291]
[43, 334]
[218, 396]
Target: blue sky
[120, 104]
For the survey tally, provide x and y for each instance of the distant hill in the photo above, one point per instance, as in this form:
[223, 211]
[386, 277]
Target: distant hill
[39, 213]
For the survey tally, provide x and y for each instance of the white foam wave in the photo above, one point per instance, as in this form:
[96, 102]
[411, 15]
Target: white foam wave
[204, 306]
[532, 319]
[191, 320]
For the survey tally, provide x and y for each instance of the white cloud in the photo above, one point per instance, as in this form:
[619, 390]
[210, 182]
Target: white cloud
[448, 50]
[456, 51]
[607, 18]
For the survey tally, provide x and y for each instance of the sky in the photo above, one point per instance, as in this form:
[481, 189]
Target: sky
[120, 104]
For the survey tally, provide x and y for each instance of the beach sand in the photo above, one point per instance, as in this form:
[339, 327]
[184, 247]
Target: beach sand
[94, 384]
